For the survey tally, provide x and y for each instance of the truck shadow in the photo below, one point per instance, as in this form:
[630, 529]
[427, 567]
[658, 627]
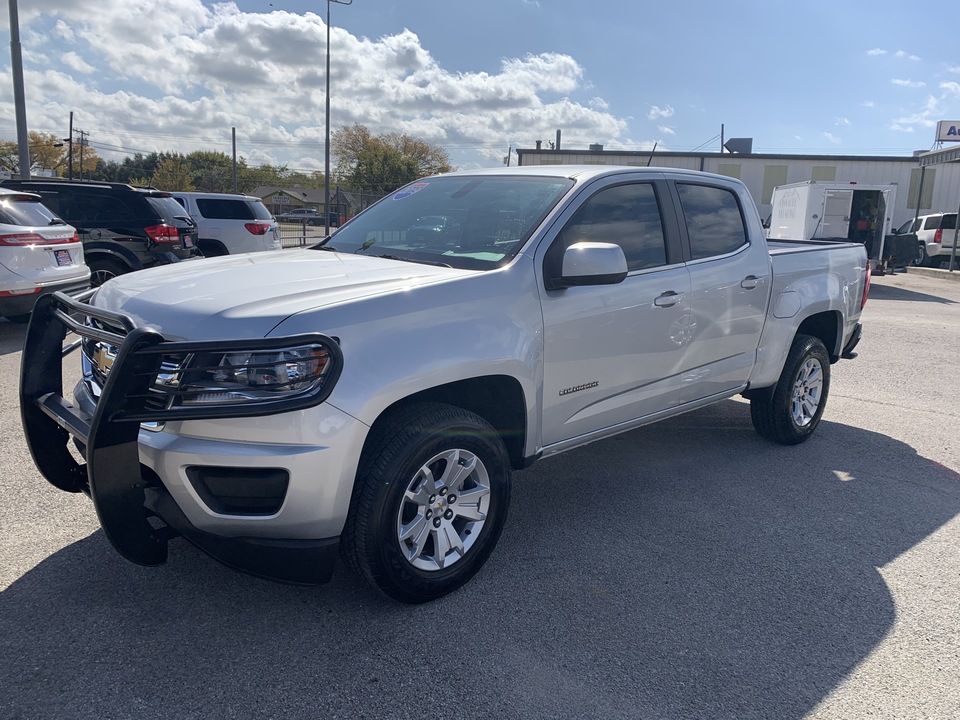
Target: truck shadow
[879, 291]
[684, 570]
[11, 337]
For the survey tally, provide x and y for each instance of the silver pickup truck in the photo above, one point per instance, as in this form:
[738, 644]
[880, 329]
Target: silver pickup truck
[368, 397]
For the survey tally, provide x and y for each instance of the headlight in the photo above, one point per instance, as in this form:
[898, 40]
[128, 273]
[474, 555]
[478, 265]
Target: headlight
[218, 378]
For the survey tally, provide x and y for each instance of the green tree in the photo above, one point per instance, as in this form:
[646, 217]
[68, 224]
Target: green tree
[173, 174]
[380, 169]
[380, 163]
[47, 152]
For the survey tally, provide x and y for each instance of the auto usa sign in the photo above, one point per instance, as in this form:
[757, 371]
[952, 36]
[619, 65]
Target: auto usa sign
[948, 131]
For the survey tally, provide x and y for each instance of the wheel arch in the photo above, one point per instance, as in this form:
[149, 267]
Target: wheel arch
[498, 399]
[827, 326]
[217, 247]
[111, 251]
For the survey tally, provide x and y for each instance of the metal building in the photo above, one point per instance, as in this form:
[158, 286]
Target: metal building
[937, 187]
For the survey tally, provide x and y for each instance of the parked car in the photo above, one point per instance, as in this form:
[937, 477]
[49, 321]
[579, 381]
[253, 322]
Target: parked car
[370, 396]
[434, 228]
[935, 236]
[308, 216]
[230, 224]
[39, 254]
[122, 228]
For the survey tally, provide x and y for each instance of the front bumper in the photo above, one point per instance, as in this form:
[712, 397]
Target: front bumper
[128, 494]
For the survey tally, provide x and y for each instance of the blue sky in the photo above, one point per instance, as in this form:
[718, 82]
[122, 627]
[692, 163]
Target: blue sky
[478, 77]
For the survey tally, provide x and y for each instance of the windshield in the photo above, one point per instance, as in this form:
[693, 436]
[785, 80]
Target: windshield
[465, 222]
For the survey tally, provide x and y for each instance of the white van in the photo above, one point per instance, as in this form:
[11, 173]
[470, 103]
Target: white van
[229, 224]
[39, 254]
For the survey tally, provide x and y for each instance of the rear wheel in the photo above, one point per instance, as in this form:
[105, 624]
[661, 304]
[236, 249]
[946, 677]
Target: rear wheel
[430, 501]
[921, 260]
[102, 269]
[789, 412]
[211, 248]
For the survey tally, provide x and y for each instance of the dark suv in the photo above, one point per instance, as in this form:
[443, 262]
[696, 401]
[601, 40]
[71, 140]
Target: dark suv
[122, 228]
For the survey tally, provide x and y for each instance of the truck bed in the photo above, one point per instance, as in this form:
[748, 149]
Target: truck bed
[783, 247]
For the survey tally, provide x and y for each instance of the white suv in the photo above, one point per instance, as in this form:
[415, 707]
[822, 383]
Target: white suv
[935, 234]
[230, 224]
[39, 253]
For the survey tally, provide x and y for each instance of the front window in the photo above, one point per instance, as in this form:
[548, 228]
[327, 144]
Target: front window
[477, 222]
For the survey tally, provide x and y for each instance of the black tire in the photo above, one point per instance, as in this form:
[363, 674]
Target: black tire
[102, 269]
[392, 499]
[212, 248]
[922, 259]
[790, 411]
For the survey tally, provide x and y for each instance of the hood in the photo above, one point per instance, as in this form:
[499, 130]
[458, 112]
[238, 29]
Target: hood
[248, 295]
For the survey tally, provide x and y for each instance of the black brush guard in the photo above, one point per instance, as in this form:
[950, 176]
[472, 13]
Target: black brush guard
[112, 475]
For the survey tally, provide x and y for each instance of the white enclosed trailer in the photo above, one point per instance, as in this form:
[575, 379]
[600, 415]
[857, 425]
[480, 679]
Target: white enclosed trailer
[834, 210]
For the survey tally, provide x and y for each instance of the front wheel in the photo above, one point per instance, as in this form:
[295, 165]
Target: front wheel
[430, 501]
[790, 411]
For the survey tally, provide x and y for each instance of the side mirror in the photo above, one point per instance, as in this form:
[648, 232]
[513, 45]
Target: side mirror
[592, 263]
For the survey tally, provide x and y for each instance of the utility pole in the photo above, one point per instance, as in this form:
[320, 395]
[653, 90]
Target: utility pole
[83, 141]
[19, 99]
[236, 187]
[69, 142]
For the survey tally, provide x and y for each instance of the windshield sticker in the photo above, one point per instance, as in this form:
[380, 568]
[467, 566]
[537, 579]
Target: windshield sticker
[410, 190]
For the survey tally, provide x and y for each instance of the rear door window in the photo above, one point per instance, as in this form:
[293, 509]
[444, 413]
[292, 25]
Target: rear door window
[714, 222]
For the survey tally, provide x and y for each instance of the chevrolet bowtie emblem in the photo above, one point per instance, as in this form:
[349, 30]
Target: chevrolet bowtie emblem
[104, 357]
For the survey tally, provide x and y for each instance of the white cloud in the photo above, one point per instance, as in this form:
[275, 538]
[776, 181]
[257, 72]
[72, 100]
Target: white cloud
[75, 62]
[842, 122]
[951, 88]
[181, 85]
[869, 104]
[908, 56]
[876, 51]
[908, 83]
[926, 117]
[832, 138]
[660, 112]
[666, 130]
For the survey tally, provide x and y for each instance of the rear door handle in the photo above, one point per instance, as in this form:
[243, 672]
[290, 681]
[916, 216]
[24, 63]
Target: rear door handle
[668, 299]
[750, 282]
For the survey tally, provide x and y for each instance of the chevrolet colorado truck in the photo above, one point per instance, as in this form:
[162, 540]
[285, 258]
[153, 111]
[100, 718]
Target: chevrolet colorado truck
[369, 397]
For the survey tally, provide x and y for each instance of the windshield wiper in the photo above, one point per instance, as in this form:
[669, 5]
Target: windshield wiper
[57, 221]
[419, 262]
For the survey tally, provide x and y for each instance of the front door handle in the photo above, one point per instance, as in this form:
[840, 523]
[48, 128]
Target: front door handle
[750, 282]
[668, 299]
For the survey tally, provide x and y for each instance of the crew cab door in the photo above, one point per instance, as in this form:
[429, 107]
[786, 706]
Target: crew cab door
[613, 353]
[730, 275]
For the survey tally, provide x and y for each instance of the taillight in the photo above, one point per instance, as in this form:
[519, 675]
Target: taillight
[21, 239]
[866, 285]
[163, 233]
[938, 235]
[257, 228]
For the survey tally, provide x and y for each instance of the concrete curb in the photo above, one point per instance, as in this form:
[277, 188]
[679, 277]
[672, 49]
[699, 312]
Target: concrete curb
[934, 272]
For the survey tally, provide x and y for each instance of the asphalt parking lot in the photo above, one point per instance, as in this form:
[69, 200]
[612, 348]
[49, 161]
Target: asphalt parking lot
[684, 570]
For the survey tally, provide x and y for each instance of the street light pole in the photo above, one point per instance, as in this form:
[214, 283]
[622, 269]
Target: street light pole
[326, 145]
